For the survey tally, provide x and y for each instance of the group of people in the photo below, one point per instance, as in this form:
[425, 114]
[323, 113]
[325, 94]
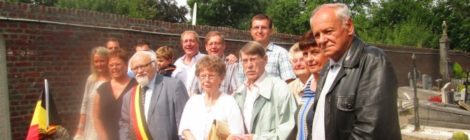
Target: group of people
[330, 85]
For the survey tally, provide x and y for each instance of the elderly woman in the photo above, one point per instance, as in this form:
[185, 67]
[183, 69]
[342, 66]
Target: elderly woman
[99, 75]
[315, 59]
[108, 101]
[301, 72]
[201, 110]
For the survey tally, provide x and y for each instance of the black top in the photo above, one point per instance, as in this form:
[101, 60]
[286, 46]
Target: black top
[167, 70]
[111, 108]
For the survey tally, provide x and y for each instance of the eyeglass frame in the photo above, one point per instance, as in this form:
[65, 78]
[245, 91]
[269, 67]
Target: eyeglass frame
[141, 66]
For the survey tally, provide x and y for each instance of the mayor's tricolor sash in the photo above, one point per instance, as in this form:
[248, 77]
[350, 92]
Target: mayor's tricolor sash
[138, 122]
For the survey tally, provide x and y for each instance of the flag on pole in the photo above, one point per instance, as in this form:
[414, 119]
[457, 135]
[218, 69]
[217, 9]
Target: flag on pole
[42, 118]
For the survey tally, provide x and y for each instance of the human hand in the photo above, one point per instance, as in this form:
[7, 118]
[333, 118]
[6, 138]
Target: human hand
[231, 58]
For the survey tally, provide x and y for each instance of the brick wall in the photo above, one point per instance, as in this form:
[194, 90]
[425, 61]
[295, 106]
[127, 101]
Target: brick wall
[427, 61]
[44, 42]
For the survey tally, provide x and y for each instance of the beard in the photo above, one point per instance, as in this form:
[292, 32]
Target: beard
[142, 80]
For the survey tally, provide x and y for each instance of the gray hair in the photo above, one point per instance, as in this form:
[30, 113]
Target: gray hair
[190, 32]
[341, 10]
[294, 49]
[150, 53]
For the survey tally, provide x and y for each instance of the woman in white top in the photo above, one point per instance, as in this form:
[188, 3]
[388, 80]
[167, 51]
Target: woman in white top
[99, 75]
[201, 110]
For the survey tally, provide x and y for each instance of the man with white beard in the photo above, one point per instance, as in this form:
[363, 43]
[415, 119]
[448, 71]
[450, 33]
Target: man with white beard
[153, 108]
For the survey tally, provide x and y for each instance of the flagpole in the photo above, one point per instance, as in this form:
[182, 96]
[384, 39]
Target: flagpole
[46, 87]
[194, 14]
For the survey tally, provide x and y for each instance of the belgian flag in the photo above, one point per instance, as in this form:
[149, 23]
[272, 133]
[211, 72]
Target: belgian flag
[38, 127]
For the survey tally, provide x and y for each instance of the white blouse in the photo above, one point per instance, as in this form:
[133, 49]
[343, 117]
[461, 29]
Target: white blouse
[198, 118]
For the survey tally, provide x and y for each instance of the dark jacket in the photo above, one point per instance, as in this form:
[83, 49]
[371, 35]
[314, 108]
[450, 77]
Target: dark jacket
[362, 101]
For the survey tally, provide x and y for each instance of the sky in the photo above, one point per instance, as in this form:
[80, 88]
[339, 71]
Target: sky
[181, 2]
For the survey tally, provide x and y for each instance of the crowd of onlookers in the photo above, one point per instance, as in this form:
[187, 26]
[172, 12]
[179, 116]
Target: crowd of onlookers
[329, 85]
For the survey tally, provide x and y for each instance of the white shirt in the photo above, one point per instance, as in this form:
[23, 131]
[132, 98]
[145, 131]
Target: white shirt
[148, 96]
[318, 127]
[187, 73]
[251, 96]
[198, 118]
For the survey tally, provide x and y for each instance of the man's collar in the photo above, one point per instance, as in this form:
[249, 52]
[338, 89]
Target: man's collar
[270, 46]
[346, 56]
[152, 82]
[257, 82]
[264, 85]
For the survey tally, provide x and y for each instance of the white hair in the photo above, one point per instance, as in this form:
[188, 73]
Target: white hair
[342, 11]
[294, 49]
[149, 53]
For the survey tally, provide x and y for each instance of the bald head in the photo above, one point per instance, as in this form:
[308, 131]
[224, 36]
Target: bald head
[332, 29]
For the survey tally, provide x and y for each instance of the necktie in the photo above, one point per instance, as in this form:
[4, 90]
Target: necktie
[144, 89]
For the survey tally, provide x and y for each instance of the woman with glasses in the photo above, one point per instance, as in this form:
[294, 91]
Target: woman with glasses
[202, 110]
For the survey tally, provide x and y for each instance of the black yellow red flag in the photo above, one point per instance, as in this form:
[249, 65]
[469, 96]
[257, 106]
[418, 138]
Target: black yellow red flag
[38, 124]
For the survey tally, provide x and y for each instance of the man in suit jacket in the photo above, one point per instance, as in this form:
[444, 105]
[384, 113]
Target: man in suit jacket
[266, 103]
[153, 108]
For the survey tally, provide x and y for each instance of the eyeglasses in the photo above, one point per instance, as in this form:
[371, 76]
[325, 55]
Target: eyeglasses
[141, 66]
[207, 76]
[259, 27]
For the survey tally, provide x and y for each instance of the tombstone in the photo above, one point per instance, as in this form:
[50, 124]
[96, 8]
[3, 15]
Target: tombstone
[444, 64]
[427, 82]
[447, 94]
[418, 79]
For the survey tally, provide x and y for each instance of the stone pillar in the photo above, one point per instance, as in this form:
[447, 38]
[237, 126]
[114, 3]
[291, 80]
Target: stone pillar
[443, 51]
[5, 129]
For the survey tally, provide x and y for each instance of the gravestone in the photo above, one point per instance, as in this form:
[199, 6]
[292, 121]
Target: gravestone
[444, 64]
[427, 82]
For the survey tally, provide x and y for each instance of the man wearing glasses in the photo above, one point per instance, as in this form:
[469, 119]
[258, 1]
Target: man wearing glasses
[278, 64]
[153, 108]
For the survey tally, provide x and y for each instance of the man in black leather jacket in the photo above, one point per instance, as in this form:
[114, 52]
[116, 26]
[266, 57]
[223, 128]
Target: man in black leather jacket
[358, 87]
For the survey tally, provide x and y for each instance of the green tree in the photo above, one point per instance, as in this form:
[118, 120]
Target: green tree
[167, 10]
[36, 2]
[457, 15]
[288, 16]
[398, 23]
[227, 13]
[132, 8]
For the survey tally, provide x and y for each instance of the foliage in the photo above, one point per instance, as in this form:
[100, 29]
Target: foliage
[288, 16]
[165, 10]
[227, 13]
[457, 16]
[398, 23]
[416, 23]
[36, 2]
[132, 8]
[458, 71]
[459, 136]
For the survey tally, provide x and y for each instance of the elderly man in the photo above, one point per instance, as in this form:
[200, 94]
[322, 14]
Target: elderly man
[278, 64]
[152, 109]
[186, 64]
[358, 88]
[265, 101]
[215, 46]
